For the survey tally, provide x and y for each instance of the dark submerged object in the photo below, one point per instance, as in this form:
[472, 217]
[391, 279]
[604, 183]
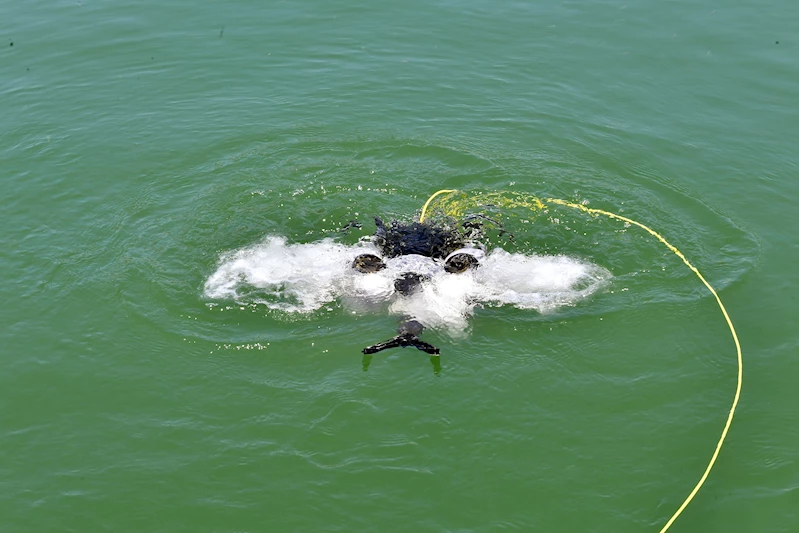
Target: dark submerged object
[368, 263]
[461, 262]
[430, 240]
[427, 239]
[408, 283]
[408, 335]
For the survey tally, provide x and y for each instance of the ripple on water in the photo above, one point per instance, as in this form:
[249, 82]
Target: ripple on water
[306, 188]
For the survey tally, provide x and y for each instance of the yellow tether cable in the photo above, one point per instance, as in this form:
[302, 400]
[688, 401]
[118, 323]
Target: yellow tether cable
[679, 254]
[427, 203]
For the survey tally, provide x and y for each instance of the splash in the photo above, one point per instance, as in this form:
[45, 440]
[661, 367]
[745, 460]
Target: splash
[301, 278]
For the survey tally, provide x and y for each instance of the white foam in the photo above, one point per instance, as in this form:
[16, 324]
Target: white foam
[300, 278]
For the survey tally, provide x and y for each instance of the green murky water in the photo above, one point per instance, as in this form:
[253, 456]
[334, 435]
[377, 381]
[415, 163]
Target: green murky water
[143, 142]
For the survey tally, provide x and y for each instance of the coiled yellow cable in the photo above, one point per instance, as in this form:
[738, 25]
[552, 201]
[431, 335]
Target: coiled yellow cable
[679, 254]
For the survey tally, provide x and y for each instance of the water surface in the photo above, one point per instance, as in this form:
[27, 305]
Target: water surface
[142, 143]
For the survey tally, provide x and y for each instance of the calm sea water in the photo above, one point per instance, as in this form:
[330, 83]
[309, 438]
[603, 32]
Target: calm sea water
[140, 143]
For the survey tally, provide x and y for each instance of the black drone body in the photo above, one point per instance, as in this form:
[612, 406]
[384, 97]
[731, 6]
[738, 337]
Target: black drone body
[426, 239]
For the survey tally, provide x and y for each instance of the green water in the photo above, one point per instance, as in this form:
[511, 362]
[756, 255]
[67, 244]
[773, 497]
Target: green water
[141, 141]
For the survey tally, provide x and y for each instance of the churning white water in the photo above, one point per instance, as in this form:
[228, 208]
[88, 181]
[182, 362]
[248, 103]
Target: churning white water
[300, 278]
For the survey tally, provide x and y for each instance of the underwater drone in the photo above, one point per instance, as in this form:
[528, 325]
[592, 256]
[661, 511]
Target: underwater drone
[447, 247]
[431, 274]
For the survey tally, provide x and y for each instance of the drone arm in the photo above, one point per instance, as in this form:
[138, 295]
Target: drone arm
[380, 346]
[425, 347]
[401, 341]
